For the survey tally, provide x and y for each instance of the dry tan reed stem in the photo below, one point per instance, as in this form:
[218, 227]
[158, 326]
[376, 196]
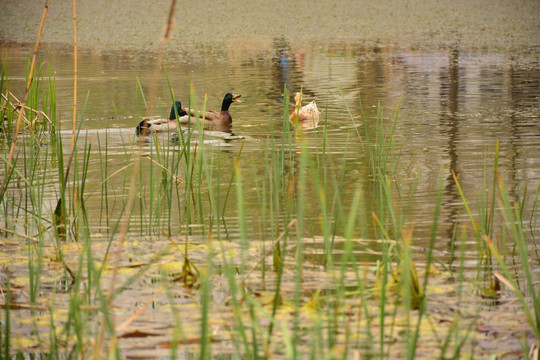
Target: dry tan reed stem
[19, 234]
[28, 84]
[164, 40]
[138, 313]
[74, 124]
[16, 105]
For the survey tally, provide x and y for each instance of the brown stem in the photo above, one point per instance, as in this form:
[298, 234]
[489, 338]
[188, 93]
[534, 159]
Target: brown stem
[164, 40]
[74, 124]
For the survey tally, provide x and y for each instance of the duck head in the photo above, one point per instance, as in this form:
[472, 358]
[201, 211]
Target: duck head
[298, 99]
[228, 100]
[179, 110]
[143, 128]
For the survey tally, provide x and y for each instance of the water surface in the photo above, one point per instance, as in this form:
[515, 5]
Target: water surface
[454, 106]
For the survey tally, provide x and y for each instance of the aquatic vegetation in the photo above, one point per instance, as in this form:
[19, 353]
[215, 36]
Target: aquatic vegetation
[209, 244]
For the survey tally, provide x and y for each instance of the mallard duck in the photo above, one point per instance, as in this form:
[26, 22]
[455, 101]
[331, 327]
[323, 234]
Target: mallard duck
[148, 126]
[308, 113]
[218, 118]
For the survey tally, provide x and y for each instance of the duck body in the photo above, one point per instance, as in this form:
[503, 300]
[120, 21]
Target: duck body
[148, 126]
[214, 117]
[307, 113]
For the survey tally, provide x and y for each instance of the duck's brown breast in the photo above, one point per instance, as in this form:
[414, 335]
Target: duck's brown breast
[224, 118]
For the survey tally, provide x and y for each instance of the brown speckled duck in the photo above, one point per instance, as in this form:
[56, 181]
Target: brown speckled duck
[307, 113]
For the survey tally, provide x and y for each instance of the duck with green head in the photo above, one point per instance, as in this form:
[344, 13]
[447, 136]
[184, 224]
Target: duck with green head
[218, 118]
[148, 126]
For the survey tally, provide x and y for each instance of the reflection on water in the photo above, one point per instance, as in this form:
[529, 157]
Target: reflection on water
[455, 105]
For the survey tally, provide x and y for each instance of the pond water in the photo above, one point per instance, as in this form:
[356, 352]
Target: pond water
[454, 106]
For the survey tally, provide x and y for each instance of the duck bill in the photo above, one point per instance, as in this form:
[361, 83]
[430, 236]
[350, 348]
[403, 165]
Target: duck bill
[236, 98]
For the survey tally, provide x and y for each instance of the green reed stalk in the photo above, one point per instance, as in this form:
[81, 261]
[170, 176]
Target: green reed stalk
[361, 285]
[33, 277]
[337, 212]
[272, 176]
[229, 270]
[86, 161]
[5, 343]
[513, 217]
[206, 286]
[486, 216]
[466, 204]
[159, 197]
[301, 214]
[278, 191]
[355, 125]
[317, 330]
[151, 185]
[231, 179]
[215, 198]
[3, 83]
[140, 96]
[201, 152]
[348, 256]
[263, 206]
[171, 185]
[50, 104]
[254, 327]
[54, 350]
[77, 317]
[413, 343]
[326, 217]
[171, 162]
[488, 219]
[178, 335]
[280, 171]
[104, 166]
[346, 260]
[104, 300]
[178, 332]
[108, 323]
[456, 334]
[188, 169]
[59, 213]
[241, 216]
[275, 176]
[277, 324]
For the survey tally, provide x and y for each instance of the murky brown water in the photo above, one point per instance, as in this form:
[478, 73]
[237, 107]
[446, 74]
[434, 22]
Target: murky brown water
[455, 106]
